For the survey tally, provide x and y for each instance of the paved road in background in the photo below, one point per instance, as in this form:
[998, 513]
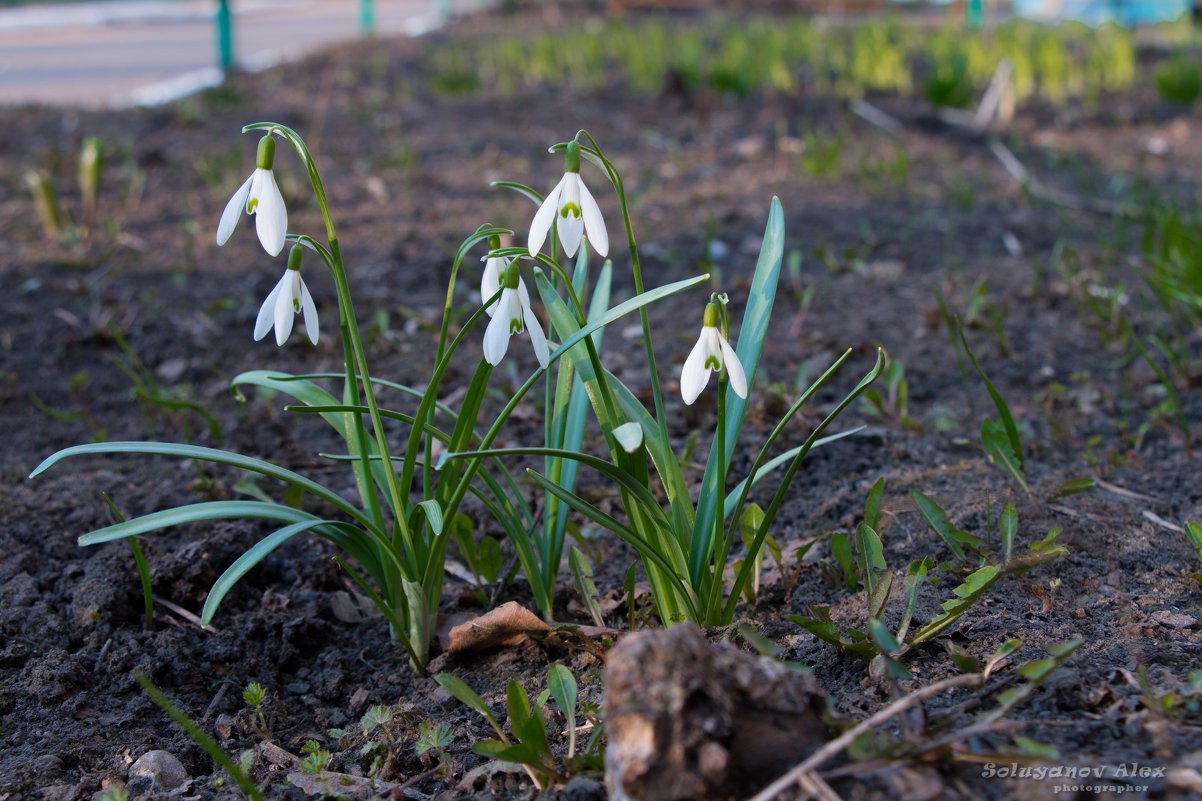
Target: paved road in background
[147, 51]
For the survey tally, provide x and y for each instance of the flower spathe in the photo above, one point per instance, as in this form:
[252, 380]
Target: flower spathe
[712, 353]
[289, 298]
[574, 211]
[512, 314]
[260, 196]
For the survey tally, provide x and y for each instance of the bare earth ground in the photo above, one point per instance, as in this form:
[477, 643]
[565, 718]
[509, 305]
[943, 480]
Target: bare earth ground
[407, 170]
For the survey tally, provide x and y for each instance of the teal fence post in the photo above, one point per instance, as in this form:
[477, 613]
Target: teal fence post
[367, 17]
[974, 14]
[225, 36]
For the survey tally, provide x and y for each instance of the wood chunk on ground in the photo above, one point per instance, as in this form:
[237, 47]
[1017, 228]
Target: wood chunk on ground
[687, 719]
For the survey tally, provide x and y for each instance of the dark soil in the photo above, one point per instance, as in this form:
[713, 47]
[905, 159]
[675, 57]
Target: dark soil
[407, 172]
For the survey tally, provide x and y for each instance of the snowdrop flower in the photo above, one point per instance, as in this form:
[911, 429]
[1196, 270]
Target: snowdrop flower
[490, 281]
[512, 315]
[289, 298]
[572, 207]
[712, 353]
[261, 197]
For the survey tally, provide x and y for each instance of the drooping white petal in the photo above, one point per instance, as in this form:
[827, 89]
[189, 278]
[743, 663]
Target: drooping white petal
[694, 375]
[544, 217]
[233, 210]
[490, 282]
[569, 222]
[496, 336]
[310, 310]
[734, 368]
[285, 307]
[266, 318]
[256, 190]
[571, 231]
[594, 223]
[271, 217]
[537, 338]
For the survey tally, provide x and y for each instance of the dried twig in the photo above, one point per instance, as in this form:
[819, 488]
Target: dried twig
[803, 770]
[994, 107]
[875, 116]
[185, 614]
[1051, 195]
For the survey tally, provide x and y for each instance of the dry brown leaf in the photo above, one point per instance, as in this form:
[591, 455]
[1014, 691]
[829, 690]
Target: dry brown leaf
[508, 624]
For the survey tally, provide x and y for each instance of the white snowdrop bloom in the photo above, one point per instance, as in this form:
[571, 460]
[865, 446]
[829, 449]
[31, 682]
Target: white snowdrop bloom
[573, 210]
[259, 196]
[490, 283]
[289, 298]
[512, 314]
[712, 353]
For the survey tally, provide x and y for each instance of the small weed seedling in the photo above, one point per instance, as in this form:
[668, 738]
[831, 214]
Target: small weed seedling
[527, 743]
[864, 566]
[256, 698]
[1194, 532]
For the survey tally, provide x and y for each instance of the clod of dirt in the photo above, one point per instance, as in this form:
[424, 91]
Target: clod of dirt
[156, 770]
[687, 719]
[1173, 620]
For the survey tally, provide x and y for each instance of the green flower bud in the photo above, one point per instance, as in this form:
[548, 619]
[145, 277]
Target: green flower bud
[571, 157]
[510, 281]
[266, 155]
[294, 257]
[711, 315]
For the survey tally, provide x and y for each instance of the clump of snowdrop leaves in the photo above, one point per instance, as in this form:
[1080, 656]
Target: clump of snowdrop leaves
[573, 210]
[689, 547]
[259, 196]
[711, 354]
[391, 535]
[289, 298]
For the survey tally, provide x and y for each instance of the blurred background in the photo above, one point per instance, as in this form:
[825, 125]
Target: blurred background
[131, 52]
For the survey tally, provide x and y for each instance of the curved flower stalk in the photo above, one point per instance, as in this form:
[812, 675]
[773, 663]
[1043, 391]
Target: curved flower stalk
[289, 298]
[573, 210]
[260, 196]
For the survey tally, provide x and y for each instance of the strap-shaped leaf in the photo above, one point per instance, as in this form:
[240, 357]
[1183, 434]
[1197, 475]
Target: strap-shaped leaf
[752, 333]
[194, 513]
[210, 455]
[1003, 410]
[732, 497]
[672, 563]
[257, 553]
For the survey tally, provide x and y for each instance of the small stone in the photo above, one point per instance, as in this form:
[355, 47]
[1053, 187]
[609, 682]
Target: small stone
[582, 789]
[48, 765]
[224, 726]
[1173, 620]
[160, 770]
[172, 370]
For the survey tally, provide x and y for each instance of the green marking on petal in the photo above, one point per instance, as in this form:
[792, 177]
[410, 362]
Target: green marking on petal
[569, 209]
[515, 326]
[252, 205]
[296, 305]
[712, 363]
